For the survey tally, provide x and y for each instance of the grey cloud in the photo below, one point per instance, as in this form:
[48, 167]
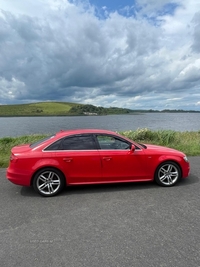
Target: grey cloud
[196, 36]
[58, 53]
[70, 54]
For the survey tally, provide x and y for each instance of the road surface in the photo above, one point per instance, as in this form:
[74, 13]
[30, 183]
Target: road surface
[125, 225]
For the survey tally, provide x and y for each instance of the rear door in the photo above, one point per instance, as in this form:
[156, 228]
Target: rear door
[80, 159]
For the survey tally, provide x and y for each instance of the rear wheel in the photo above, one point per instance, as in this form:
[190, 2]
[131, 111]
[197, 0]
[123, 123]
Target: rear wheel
[48, 182]
[168, 174]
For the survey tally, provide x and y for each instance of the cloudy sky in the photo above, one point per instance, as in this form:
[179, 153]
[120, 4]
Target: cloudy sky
[138, 54]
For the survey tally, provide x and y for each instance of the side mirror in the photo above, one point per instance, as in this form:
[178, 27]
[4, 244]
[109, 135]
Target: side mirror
[132, 148]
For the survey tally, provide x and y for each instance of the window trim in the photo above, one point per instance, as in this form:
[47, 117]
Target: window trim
[71, 136]
[94, 136]
[115, 137]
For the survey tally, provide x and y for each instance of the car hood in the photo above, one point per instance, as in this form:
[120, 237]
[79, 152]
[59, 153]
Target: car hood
[20, 148]
[163, 149]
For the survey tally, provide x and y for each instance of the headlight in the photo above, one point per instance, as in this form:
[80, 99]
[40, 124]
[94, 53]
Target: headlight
[185, 158]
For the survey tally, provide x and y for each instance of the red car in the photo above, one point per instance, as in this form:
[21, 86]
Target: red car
[76, 157]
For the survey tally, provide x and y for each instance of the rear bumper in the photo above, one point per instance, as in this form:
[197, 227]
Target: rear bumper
[19, 177]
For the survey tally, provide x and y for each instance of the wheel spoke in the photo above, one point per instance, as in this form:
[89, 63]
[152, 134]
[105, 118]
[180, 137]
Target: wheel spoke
[55, 182]
[170, 181]
[43, 178]
[51, 175]
[50, 188]
[42, 186]
[169, 168]
[174, 173]
[163, 170]
[162, 178]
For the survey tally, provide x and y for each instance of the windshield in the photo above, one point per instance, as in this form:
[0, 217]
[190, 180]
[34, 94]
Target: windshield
[41, 141]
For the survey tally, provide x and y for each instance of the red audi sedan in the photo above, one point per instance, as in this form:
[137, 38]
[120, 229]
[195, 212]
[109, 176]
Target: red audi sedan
[76, 157]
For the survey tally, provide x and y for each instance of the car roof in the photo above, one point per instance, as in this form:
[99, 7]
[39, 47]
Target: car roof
[84, 131]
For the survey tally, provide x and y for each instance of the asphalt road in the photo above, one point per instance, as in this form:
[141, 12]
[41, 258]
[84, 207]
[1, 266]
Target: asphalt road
[139, 225]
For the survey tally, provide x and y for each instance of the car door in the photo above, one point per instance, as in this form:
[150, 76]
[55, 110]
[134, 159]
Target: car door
[119, 162]
[79, 159]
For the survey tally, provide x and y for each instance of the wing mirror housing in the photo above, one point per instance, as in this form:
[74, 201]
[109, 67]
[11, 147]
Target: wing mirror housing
[132, 148]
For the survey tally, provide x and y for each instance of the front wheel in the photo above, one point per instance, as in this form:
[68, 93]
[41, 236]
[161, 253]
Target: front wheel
[48, 182]
[168, 174]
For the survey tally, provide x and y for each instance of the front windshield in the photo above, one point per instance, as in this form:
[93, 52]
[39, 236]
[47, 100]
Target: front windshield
[41, 141]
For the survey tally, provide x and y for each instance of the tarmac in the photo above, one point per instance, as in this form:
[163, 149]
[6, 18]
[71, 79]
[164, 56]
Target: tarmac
[118, 225]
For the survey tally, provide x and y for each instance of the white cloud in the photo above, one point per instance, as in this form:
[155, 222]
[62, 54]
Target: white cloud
[58, 50]
[174, 99]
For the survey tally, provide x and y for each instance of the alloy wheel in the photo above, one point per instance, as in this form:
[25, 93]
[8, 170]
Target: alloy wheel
[48, 182]
[168, 174]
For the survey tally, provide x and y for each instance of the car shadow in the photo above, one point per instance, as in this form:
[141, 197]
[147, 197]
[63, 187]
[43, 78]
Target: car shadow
[106, 188]
[191, 179]
[91, 189]
[102, 188]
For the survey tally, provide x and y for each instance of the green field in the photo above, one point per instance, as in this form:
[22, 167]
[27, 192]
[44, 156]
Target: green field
[58, 109]
[187, 142]
[37, 109]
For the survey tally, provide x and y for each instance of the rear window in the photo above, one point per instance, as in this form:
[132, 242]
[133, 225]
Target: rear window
[76, 142]
[84, 142]
[41, 141]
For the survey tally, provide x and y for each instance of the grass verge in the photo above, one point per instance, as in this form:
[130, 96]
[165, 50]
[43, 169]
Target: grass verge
[7, 143]
[187, 142]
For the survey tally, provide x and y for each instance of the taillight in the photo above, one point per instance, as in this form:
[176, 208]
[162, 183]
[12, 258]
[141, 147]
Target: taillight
[13, 158]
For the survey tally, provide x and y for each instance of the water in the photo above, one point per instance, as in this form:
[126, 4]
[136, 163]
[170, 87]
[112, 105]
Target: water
[17, 126]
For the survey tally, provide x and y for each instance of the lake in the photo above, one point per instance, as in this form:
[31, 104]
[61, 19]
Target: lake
[17, 126]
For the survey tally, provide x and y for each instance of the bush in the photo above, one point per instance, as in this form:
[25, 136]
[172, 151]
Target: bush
[165, 137]
[139, 135]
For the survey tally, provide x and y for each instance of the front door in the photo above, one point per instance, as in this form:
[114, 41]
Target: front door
[119, 163]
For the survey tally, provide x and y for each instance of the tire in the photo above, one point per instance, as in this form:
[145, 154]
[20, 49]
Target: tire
[48, 182]
[168, 174]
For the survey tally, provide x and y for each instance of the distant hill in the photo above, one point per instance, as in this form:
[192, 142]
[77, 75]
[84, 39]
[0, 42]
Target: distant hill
[68, 109]
[58, 109]
[36, 109]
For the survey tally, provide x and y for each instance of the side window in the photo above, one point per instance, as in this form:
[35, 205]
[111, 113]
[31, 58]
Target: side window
[110, 142]
[84, 142]
[54, 146]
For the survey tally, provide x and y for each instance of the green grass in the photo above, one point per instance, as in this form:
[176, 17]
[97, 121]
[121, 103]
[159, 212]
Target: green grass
[187, 142]
[57, 109]
[37, 109]
[7, 143]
